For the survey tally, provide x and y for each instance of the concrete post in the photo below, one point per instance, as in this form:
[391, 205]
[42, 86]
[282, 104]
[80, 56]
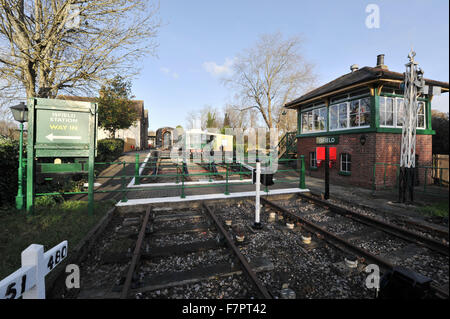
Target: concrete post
[34, 256]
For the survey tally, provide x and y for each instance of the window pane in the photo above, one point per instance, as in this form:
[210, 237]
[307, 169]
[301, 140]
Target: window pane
[389, 111]
[304, 122]
[312, 158]
[354, 120]
[400, 111]
[343, 115]
[316, 119]
[382, 104]
[310, 121]
[354, 113]
[364, 105]
[382, 111]
[421, 121]
[421, 108]
[364, 109]
[333, 117]
[323, 118]
[345, 162]
[354, 107]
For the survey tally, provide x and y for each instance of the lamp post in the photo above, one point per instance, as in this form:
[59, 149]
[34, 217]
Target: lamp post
[20, 114]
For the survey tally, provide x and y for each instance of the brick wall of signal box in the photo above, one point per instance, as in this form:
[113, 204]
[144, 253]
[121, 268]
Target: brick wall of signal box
[378, 148]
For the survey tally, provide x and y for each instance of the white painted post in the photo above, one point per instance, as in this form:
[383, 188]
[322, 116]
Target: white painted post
[34, 256]
[257, 224]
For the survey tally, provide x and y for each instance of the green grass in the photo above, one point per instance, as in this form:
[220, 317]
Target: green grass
[51, 223]
[439, 209]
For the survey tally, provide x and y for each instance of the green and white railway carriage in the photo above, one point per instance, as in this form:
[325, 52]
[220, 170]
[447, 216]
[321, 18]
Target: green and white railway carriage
[198, 141]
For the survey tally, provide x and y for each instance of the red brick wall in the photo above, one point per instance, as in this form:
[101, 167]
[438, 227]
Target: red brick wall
[379, 147]
[388, 151]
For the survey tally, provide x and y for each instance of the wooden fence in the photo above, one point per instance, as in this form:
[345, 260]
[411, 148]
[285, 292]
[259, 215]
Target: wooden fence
[440, 168]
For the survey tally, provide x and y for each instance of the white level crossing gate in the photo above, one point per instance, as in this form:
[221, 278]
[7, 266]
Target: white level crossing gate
[29, 280]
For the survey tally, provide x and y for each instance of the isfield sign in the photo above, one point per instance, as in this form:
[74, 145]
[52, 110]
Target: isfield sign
[61, 129]
[64, 128]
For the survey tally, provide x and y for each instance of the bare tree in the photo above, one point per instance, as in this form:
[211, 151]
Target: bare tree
[237, 118]
[72, 45]
[269, 75]
[202, 117]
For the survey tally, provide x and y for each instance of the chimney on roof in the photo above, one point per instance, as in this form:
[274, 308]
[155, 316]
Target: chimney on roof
[354, 67]
[380, 62]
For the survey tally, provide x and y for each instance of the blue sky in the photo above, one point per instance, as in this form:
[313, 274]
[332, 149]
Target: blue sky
[200, 38]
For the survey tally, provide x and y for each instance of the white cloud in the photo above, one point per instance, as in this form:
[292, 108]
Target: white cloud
[167, 71]
[217, 70]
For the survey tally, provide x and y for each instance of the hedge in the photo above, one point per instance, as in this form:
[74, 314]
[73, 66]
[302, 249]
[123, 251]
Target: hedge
[9, 164]
[108, 150]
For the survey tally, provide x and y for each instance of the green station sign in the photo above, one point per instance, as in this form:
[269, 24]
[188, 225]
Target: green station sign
[59, 129]
[322, 140]
[62, 127]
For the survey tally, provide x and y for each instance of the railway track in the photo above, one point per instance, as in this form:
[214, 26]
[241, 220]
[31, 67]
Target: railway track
[369, 239]
[181, 252]
[429, 230]
[191, 252]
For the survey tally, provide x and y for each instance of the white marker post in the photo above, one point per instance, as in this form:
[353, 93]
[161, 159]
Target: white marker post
[257, 224]
[29, 280]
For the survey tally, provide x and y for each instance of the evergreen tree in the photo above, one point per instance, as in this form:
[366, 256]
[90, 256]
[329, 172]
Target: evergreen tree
[115, 108]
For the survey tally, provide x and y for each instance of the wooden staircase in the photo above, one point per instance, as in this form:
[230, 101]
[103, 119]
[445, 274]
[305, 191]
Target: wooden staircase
[287, 147]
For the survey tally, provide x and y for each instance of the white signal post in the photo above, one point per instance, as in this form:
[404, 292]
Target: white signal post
[29, 280]
[257, 224]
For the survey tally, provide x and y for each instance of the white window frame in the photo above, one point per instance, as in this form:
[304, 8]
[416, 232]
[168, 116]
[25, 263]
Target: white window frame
[336, 105]
[359, 113]
[346, 162]
[424, 127]
[395, 113]
[306, 112]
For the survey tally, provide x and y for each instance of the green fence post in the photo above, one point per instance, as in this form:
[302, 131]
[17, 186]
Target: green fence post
[178, 177]
[136, 171]
[302, 172]
[182, 185]
[20, 198]
[226, 183]
[240, 171]
[124, 187]
[91, 163]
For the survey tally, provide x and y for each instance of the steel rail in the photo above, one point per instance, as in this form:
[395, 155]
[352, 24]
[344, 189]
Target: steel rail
[388, 228]
[332, 238]
[136, 256]
[245, 265]
[427, 228]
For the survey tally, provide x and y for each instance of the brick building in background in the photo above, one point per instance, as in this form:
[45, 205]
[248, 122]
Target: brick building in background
[358, 113]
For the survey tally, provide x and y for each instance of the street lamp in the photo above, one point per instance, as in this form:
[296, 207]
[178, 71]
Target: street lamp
[20, 114]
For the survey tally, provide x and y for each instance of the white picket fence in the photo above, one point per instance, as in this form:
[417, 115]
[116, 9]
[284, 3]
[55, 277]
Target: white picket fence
[29, 280]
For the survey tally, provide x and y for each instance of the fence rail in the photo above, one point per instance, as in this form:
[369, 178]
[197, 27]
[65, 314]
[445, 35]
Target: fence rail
[386, 176]
[182, 172]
